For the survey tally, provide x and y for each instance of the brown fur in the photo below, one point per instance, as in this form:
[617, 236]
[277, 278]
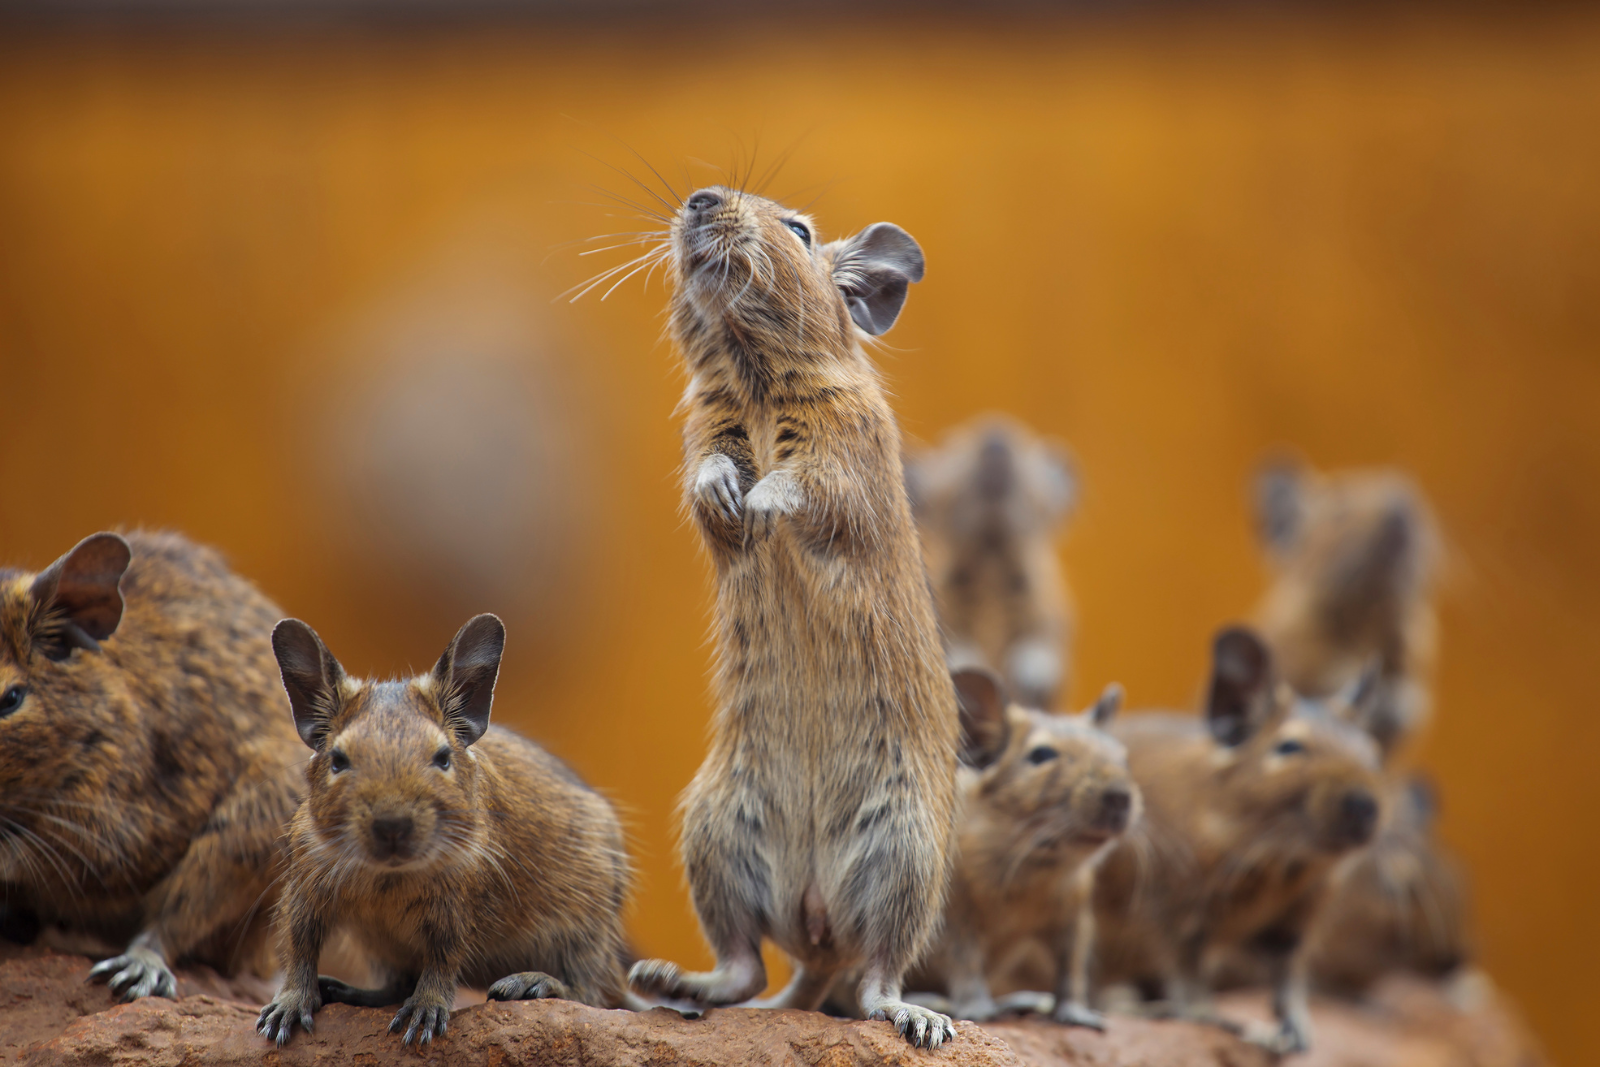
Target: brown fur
[1401, 906]
[146, 776]
[1045, 801]
[990, 501]
[823, 813]
[449, 850]
[1248, 814]
[1353, 555]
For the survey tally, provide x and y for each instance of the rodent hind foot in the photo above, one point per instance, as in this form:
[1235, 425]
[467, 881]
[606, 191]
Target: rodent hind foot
[1281, 1039]
[428, 1018]
[138, 973]
[277, 1019]
[921, 1027]
[1074, 1014]
[724, 985]
[528, 986]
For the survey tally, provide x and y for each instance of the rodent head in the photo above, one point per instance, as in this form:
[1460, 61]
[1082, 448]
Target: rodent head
[56, 728]
[995, 480]
[394, 783]
[1358, 544]
[1289, 775]
[1055, 788]
[759, 269]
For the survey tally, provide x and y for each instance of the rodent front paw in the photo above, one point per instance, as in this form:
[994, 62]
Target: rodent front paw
[138, 973]
[428, 1016]
[774, 496]
[526, 986]
[716, 486]
[277, 1020]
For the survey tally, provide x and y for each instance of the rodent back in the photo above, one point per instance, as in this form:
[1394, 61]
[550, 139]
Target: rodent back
[133, 693]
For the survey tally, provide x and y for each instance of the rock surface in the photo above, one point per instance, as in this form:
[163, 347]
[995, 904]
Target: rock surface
[51, 1014]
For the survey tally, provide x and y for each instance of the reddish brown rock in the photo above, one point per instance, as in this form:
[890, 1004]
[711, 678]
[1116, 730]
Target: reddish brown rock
[49, 1014]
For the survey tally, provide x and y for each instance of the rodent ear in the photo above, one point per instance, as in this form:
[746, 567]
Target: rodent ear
[311, 677]
[873, 270]
[1280, 500]
[466, 675]
[1059, 479]
[1107, 707]
[1240, 698]
[77, 601]
[981, 701]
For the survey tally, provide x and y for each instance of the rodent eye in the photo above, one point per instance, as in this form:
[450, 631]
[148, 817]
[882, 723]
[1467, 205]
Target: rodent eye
[1041, 754]
[801, 230]
[1288, 747]
[12, 699]
[441, 759]
[337, 761]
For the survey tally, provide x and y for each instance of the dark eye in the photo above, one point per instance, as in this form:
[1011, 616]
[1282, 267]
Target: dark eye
[441, 759]
[801, 230]
[11, 700]
[338, 762]
[1288, 747]
[1041, 754]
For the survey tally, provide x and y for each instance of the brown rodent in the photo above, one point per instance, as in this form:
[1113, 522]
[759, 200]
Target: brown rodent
[450, 850]
[1353, 555]
[990, 501]
[823, 814]
[1401, 907]
[1249, 810]
[146, 771]
[1044, 799]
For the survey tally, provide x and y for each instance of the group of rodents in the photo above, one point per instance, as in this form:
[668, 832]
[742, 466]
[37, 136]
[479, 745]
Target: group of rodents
[872, 800]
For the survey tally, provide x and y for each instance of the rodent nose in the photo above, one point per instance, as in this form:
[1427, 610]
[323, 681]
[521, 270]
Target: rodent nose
[705, 200]
[1358, 817]
[391, 833]
[1115, 804]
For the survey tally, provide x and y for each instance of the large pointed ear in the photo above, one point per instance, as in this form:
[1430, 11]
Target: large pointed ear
[1239, 700]
[984, 731]
[873, 270]
[1106, 709]
[466, 673]
[311, 677]
[77, 601]
[1280, 502]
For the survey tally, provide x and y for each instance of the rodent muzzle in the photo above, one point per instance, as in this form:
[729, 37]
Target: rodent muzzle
[1116, 806]
[1357, 819]
[704, 202]
[391, 837]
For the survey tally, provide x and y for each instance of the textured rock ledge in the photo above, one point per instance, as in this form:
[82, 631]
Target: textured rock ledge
[50, 1014]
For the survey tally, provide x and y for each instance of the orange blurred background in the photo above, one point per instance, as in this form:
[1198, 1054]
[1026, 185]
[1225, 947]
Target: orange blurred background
[289, 286]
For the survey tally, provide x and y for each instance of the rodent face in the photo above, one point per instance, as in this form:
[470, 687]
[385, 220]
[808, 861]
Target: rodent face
[1357, 542]
[392, 786]
[1061, 787]
[61, 738]
[750, 265]
[1307, 782]
[992, 479]
[394, 782]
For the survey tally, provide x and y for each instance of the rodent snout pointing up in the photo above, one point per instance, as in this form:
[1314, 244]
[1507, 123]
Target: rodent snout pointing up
[704, 201]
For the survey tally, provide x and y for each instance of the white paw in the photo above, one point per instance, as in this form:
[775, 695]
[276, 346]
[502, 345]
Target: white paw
[921, 1027]
[138, 973]
[772, 497]
[716, 486]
